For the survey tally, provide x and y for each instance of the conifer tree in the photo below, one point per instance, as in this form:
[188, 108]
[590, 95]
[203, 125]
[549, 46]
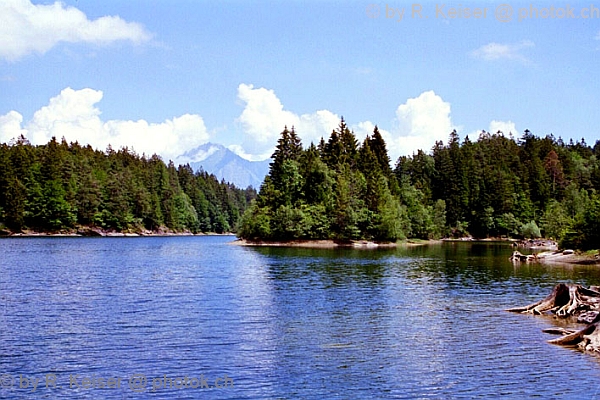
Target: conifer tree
[379, 148]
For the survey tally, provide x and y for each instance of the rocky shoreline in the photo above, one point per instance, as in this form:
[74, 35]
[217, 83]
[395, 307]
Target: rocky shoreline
[314, 244]
[88, 231]
[330, 244]
[549, 256]
[556, 257]
[537, 244]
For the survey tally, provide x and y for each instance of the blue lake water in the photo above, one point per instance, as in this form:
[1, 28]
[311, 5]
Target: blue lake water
[165, 317]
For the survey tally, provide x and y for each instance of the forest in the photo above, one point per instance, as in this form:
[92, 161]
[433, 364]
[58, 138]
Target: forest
[496, 186]
[60, 187]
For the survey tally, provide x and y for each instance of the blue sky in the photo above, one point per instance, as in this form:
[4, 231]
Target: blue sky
[166, 76]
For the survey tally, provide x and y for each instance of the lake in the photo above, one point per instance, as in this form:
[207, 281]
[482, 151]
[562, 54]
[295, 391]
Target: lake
[195, 317]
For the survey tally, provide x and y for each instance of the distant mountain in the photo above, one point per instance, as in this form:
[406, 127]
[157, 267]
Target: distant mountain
[225, 164]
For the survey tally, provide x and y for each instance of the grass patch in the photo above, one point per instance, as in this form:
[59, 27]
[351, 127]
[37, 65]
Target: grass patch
[591, 253]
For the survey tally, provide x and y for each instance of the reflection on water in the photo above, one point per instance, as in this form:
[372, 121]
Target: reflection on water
[421, 322]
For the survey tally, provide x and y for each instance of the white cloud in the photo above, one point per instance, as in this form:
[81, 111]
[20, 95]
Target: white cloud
[73, 114]
[499, 51]
[35, 28]
[203, 155]
[317, 125]
[364, 128]
[264, 117]
[421, 121]
[10, 126]
[239, 150]
[506, 127]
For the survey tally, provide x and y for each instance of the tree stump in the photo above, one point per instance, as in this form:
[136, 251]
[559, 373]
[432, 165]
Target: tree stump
[571, 301]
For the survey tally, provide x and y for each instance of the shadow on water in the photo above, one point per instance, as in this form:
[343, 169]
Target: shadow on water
[332, 267]
[465, 263]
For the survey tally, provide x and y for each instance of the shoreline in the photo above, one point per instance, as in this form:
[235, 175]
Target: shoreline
[331, 244]
[544, 257]
[549, 257]
[98, 232]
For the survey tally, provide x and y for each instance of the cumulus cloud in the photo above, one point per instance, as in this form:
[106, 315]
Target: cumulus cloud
[506, 127]
[421, 121]
[74, 115]
[364, 128]
[264, 117]
[10, 126]
[35, 28]
[239, 150]
[504, 51]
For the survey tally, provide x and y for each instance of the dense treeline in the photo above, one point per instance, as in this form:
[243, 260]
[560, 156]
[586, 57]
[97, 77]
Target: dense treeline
[336, 190]
[496, 186]
[61, 186]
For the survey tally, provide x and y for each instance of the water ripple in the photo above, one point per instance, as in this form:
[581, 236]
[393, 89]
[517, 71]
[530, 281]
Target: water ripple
[283, 323]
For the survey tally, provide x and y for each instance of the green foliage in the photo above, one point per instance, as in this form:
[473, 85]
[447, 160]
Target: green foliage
[348, 213]
[378, 146]
[460, 230]
[288, 223]
[393, 219]
[439, 219]
[508, 225]
[556, 222]
[585, 233]
[590, 226]
[316, 221]
[59, 186]
[317, 179]
[530, 230]
[420, 217]
[344, 191]
[255, 223]
[14, 205]
[342, 148]
[186, 216]
[337, 190]
[288, 151]
[493, 184]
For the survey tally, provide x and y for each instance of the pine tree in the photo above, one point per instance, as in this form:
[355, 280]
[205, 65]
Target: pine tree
[318, 183]
[349, 144]
[554, 168]
[289, 148]
[332, 151]
[379, 148]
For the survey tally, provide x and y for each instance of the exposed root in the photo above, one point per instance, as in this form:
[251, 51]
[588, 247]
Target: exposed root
[559, 331]
[587, 339]
[558, 298]
[571, 301]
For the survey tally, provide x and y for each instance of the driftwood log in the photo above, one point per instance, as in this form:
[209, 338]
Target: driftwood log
[518, 257]
[575, 302]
